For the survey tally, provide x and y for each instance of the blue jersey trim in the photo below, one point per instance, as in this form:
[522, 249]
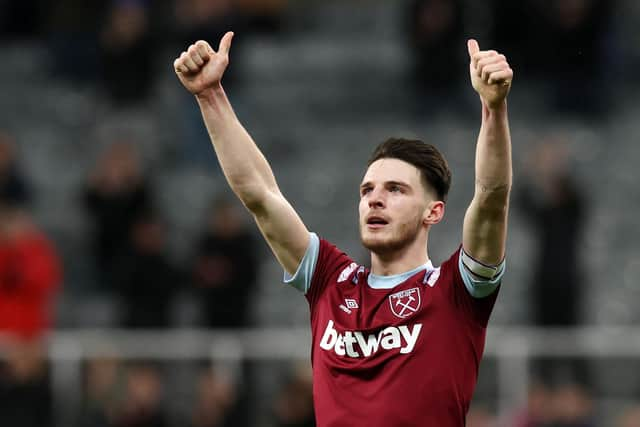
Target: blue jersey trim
[389, 282]
[301, 280]
[477, 286]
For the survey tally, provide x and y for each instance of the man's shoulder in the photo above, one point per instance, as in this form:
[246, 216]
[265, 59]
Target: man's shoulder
[335, 261]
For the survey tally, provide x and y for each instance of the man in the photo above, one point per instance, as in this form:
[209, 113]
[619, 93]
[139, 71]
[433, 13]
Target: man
[398, 345]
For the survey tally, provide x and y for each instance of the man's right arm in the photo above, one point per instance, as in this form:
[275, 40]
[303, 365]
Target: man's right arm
[200, 70]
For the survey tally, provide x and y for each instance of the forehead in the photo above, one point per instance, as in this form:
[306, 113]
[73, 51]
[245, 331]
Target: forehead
[387, 169]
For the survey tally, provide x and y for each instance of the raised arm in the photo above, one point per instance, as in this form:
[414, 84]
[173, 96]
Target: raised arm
[485, 223]
[200, 70]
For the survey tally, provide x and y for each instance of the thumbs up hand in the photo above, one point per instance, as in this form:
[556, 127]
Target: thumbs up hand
[200, 68]
[491, 74]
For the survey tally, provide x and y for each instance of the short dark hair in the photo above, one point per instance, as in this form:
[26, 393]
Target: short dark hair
[431, 163]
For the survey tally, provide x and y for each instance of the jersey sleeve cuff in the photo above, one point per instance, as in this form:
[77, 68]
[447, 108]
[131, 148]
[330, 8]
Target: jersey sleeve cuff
[481, 280]
[301, 280]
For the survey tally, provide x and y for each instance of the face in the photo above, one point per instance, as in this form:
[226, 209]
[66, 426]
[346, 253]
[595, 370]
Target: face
[394, 206]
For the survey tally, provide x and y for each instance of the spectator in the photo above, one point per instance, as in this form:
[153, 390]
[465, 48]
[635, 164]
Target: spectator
[513, 24]
[25, 395]
[294, 404]
[538, 410]
[20, 19]
[553, 203]
[226, 266]
[142, 406]
[127, 51]
[630, 418]
[572, 407]
[203, 19]
[146, 278]
[436, 33]
[30, 274]
[264, 16]
[116, 194]
[73, 36]
[13, 186]
[103, 388]
[29, 277]
[216, 402]
[480, 417]
[570, 39]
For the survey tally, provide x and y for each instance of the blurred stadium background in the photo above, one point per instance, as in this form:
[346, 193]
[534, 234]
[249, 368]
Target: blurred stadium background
[167, 307]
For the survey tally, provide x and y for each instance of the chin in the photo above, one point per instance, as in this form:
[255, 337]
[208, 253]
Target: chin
[380, 244]
[373, 243]
[387, 242]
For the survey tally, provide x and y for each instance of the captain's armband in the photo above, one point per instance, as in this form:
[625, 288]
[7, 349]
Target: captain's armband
[479, 278]
[480, 270]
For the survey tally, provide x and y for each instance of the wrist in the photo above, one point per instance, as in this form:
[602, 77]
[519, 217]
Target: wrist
[210, 95]
[494, 109]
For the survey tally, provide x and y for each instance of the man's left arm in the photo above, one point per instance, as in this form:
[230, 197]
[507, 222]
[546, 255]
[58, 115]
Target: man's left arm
[485, 223]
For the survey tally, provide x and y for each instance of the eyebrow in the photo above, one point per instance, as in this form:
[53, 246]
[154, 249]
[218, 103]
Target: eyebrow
[399, 183]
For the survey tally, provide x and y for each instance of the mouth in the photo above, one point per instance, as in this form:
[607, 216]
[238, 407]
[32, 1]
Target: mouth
[376, 222]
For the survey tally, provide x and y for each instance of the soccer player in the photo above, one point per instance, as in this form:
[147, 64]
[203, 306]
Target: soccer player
[400, 344]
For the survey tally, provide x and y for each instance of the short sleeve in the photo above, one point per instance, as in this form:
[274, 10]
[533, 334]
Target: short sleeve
[477, 310]
[301, 280]
[331, 261]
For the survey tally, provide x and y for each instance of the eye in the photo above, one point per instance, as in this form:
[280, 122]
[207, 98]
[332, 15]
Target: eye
[395, 189]
[364, 191]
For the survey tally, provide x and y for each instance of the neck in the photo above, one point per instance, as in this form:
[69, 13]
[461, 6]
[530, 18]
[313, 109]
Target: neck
[400, 261]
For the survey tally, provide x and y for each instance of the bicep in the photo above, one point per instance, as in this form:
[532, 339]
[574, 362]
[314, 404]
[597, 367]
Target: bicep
[484, 232]
[282, 228]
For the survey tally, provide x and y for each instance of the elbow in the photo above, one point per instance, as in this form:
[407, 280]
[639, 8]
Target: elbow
[252, 196]
[251, 188]
[253, 203]
[492, 200]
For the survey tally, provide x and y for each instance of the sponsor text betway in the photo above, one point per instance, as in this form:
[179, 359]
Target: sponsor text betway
[357, 344]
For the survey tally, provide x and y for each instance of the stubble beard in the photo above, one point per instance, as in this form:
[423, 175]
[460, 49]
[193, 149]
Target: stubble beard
[404, 236]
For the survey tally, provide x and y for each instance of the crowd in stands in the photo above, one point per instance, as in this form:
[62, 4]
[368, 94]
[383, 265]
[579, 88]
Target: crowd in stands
[132, 261]
[116, 42]
[565, 405]
[112, 44]
[30, 278]
[567, 46]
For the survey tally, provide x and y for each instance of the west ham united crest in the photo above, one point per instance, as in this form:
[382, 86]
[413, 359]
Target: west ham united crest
[405, 303]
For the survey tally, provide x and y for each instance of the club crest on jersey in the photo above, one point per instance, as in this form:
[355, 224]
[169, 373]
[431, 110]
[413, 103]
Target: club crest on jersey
[344, 275]
[405, 303]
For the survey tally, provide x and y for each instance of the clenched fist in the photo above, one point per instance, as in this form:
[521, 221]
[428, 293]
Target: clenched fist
[491, 74]
[200, 67]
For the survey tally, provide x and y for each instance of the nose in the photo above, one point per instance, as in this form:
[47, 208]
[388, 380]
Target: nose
[376, 199]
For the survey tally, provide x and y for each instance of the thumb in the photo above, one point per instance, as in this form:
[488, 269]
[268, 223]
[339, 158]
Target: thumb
[225, 43]
[473, 47]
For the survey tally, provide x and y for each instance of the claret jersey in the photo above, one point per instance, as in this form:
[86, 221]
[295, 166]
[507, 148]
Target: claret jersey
[391, 351]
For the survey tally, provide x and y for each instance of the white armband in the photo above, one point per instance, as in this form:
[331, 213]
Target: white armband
[480, 279]
[479, 269]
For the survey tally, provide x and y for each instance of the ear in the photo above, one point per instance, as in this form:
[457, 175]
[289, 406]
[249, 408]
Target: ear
[434, 212]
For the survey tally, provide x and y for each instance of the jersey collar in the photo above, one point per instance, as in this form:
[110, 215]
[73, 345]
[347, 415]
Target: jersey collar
[388, 282]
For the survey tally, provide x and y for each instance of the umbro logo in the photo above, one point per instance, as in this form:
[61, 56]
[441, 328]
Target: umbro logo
[351, 303]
